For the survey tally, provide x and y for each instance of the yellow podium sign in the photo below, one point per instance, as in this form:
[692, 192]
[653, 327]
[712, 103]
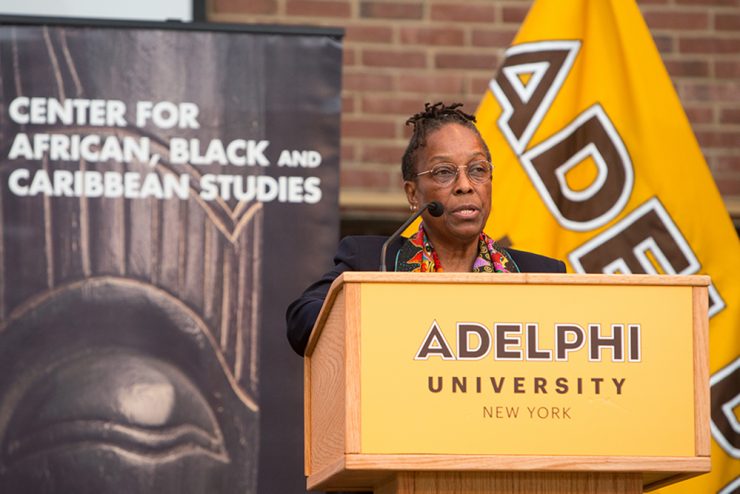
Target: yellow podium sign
[518, 369]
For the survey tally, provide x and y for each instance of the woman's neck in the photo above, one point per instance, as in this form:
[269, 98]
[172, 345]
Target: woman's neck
[457, 258]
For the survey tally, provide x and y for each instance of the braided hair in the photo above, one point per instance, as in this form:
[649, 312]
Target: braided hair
[425, 122]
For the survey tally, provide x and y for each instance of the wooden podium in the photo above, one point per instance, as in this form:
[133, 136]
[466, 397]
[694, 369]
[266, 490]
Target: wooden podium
[518, 383]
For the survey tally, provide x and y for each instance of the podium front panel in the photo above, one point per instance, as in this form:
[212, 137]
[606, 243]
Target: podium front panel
[514, 369]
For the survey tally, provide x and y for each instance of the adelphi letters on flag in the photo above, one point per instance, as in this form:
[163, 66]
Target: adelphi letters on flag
[595, 163]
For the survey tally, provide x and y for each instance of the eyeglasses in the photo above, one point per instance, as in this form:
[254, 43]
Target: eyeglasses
[445, 173]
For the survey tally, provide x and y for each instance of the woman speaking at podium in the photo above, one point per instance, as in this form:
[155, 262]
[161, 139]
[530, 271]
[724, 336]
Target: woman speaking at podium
[447, 171]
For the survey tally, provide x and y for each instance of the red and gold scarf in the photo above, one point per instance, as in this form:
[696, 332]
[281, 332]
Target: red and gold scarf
[417, 254]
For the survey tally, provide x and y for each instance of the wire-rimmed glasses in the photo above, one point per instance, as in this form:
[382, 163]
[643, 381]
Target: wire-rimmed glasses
[445, 173]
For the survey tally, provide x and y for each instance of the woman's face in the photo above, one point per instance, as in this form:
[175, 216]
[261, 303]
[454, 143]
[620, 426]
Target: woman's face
[466, 203]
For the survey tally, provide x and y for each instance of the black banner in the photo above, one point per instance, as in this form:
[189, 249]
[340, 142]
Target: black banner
[165, 193]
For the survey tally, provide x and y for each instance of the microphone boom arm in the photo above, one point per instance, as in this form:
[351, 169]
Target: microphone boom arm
[435, 209]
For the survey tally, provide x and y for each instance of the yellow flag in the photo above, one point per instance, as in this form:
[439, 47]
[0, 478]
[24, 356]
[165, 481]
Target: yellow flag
[596, 164]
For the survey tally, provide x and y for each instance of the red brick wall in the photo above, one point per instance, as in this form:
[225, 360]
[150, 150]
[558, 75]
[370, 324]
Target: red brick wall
[401, 53]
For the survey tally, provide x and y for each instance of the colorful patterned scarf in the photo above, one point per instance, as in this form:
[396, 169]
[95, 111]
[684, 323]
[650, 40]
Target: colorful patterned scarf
[417, 254]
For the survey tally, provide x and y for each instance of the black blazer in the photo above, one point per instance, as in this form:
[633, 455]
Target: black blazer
[362, 253]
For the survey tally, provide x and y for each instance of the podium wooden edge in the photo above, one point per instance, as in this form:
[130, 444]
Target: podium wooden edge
[352, 369]
[376, 469]
[702, 410]
[524, 278]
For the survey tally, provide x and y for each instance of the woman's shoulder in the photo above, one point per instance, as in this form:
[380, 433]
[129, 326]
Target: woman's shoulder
[362, 241]
[529, 262]
[362, 252]
[361, 245]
